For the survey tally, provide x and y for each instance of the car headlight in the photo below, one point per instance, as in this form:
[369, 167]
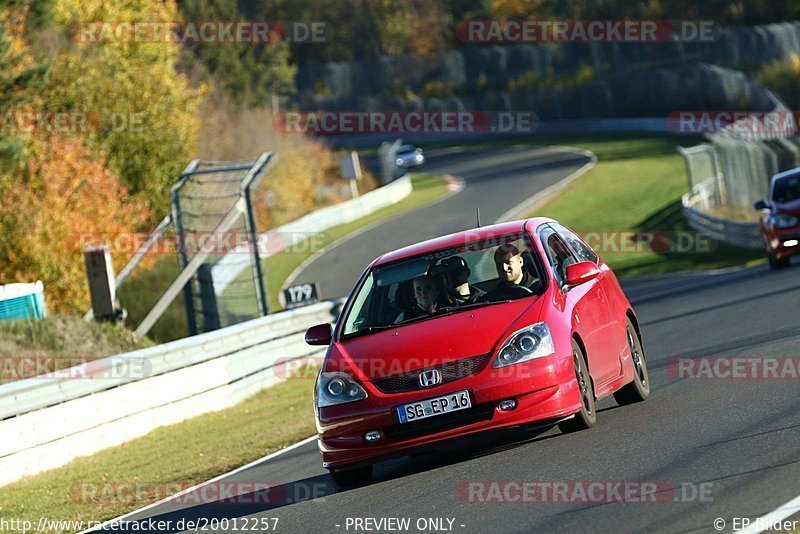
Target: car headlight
[399, 161]
[784, 221]
[524, 345]
[338, 388]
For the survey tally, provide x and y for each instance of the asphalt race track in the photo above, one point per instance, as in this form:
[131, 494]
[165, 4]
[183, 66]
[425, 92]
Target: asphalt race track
[716, 448]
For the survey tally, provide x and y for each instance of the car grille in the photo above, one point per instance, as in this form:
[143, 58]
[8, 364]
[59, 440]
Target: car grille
[451, 371]
[440, 423]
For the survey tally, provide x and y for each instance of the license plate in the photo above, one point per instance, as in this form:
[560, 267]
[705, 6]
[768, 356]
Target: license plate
[432, 407]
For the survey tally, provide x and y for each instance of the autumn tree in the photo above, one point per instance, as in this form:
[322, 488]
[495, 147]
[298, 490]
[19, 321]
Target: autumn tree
[145, 111]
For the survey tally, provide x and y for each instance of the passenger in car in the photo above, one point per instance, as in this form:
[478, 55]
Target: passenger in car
[513, 277]
[426, 298]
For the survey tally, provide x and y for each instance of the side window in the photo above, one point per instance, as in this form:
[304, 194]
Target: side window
[558, 253]
[582, 251]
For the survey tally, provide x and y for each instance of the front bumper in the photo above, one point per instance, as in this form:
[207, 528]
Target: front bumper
[784, 242]
[545, 389]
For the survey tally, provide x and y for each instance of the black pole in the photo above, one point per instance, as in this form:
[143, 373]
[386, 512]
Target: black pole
[188, 299]
[258, 275]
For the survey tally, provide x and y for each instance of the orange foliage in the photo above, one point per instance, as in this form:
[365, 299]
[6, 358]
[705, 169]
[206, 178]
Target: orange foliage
[65, 200]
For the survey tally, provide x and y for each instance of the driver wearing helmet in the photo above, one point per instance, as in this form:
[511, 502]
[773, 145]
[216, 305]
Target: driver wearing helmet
[455, 278]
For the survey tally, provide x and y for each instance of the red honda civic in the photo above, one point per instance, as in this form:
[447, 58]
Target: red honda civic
[519, 323]
[780, 221]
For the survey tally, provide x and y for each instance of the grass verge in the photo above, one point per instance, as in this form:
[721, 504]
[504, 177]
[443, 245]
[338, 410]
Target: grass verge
[634, 193]
[177, 456]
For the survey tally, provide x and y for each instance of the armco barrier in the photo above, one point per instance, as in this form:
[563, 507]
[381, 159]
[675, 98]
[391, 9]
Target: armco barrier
[743, 234]
[48, 422]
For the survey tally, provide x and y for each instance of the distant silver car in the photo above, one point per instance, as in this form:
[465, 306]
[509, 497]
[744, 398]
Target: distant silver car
[408, 156]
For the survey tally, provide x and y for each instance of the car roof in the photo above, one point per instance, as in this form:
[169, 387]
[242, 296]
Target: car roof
[459, 238]
[406, 147]
[785, 174]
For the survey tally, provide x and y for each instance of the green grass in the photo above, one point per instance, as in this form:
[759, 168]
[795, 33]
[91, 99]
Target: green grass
[278, 267]
[141, 291]
[636, 187]
[183, 454]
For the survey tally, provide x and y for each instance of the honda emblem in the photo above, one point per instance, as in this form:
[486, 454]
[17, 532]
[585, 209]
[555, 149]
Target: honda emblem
[430, 378]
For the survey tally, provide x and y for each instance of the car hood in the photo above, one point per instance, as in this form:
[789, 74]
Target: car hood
[788, 208]
[432, 342]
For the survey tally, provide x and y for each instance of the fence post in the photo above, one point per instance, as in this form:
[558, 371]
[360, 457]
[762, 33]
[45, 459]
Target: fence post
[183, 260]
[250, 228]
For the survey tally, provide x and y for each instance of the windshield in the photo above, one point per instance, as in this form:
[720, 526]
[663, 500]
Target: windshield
[477, 274]
[786, 189]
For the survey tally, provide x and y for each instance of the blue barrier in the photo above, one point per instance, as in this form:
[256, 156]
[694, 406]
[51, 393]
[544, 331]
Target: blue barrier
[22, 301]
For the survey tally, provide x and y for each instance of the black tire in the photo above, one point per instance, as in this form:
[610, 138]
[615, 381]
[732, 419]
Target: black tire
[587, 417]
[775, 263]
[639, 389]
[348, 478]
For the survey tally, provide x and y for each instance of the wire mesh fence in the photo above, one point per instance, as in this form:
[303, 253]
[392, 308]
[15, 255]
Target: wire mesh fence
[228, 286]
[206, 248]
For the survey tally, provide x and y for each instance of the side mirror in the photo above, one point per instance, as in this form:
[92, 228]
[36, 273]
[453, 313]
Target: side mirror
[761, 205]
[320, 334]
[582, 272]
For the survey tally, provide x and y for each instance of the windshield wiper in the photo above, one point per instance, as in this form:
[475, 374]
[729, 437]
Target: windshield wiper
[381, 327]
[462, 307]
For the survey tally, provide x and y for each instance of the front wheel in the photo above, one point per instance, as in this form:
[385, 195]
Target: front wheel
[639, 389]
[586, 418]
[776, 263]
[348, 478]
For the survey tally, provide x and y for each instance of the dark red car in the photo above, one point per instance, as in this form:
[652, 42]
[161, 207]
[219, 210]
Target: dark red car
[495, 327]
[780, 224]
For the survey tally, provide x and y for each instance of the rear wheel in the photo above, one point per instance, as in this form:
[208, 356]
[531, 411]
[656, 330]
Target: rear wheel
[776, 263]
[639, 389]
[348, 478]
[587, 417]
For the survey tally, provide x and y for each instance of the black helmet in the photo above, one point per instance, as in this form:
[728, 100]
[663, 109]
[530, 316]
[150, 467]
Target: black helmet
[455, 268]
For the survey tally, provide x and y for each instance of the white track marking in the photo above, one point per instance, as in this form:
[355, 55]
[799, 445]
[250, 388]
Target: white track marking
[200, 485]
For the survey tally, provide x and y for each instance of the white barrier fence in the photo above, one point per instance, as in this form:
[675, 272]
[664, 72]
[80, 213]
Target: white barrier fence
[743, 234]
[46, 422]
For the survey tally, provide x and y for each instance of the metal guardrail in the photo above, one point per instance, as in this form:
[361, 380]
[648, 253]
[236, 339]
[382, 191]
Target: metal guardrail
[48, 422]
[743, 234]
